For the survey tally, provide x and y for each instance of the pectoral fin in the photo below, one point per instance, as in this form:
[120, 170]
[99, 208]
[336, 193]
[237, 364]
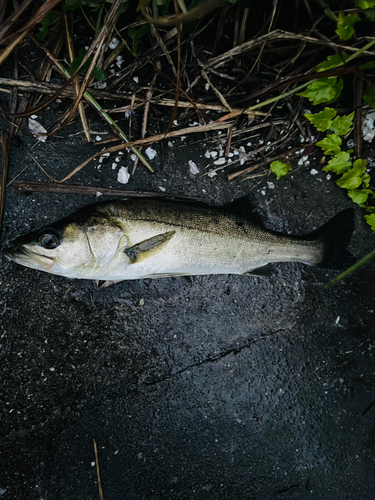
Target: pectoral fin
[148, 248]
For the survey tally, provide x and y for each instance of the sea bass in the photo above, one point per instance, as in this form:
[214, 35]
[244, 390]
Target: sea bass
[136, 239]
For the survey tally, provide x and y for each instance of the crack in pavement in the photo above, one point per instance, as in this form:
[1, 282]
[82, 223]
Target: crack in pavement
[211, 359]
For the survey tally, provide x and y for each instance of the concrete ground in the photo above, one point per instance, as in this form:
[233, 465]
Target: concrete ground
[217, 387]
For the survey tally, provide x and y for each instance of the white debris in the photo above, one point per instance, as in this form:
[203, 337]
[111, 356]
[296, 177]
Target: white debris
[100, 85]
[193, 168]
[337, 320]
[236, 152]
[36, 128]
[114, 165]
[34, 117]
[183, 137]
[52, 369]
[105, 154]
[350, 144]
[128, 114]
[136, 79]
[271, 185]
[263, 192]
[119, 61]
[368, 126]
[98, 138]
[117, 159]
[98, 194]
[220, 161]
[151, 153]
[211, 173]
[328, 177]
[207, 154]
[133, 157]
[248, 144]
[313, 171]
[170, 144]
[123, 175]
[194, 124]
[175, 122]
[230, 155]
[162, 189]
[213, 154]
[114, 43]
[207, 86]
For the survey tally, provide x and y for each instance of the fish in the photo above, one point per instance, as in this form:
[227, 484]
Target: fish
[147, 238]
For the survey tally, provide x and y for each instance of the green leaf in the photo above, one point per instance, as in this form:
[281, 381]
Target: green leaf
[323, 90]
[338, 89]
[279, 169]
[51, 18]
[71, 5]
[341, 124]
[365, 4]
[369, 65]
[366, 179]
[99, 74]
[136, 34]
[359, 196]
[142, 302]
[369, 97]
[330, 144]
[353, 177]
[370, 15]
[370, 219]
[323, 119]
[339, 164]
[370, 210]
[332, 62]
[345, 25]
[43, 32]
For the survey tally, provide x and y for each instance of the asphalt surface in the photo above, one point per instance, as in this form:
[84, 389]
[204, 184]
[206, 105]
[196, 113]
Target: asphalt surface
[216, 387]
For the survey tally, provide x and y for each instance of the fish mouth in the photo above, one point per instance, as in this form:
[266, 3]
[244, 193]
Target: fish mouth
[28, 258]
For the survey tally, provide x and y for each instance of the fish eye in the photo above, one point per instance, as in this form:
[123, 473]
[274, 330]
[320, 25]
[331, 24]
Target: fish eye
[49, 240]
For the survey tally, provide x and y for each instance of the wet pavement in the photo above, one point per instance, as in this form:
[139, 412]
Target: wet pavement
[216, 387]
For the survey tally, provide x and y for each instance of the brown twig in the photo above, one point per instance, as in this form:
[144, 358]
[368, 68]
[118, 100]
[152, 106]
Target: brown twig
[14, 40]
[4, 172]
[98, 472]
[52, 187]
[149, 140]
[265, 162]
[76, 85]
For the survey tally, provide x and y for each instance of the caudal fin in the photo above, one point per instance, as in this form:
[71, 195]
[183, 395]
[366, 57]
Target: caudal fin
[336, 235]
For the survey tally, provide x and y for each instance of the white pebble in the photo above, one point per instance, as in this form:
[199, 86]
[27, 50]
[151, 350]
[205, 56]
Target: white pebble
[170, 144]
[207, 86]
[193, 168]
[328, 177]
[114, 43]
[52, 369]
[248, 144]
[271, 185]
[213, 154]
[162, 189]
[98, 138]
[133, 157]
[114, 165]
[211, 173]
[194, 124]
[313, 171]
[123, 175]
[151, 153]
[136, 79]
[207, 154]
[175, 122]
[220, 161]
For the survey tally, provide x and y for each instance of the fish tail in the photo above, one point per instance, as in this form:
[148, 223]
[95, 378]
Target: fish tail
[335, 235]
